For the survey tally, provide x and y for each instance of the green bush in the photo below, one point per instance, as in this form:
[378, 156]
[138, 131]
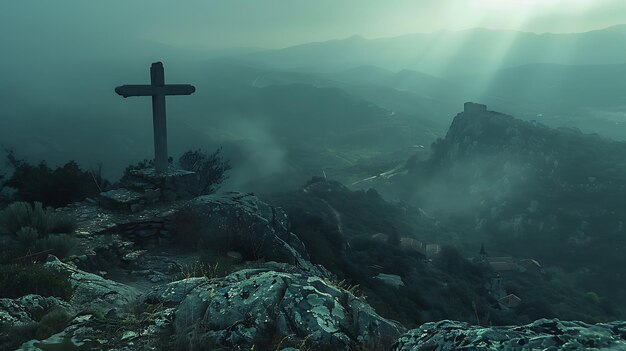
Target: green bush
[17, 280]
[26, 237]
[35, 232]
[44, 220]
[60, 245]
[210, 169]
[53, 187]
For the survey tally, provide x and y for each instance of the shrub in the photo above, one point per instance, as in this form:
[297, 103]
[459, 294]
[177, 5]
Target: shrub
[53, 187]
[17, 280]
[210, 169]
[26, 237]
[35, 231]
[60, 245]
[19, 215]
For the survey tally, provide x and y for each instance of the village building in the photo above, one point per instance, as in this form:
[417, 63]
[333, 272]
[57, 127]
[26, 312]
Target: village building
[507, 264]
[503, 264]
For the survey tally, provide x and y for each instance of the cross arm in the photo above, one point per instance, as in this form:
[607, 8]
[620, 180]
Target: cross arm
[151, 90]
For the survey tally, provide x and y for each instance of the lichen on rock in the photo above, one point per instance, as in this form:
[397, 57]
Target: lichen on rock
[543, 334]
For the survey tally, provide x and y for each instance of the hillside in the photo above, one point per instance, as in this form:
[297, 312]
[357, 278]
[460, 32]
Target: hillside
[525, 189]
[366, 240]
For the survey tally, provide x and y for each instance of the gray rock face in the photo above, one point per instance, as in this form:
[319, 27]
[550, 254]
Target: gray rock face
[78, 335]
[92, 291]
[543, 334]
[27, 309]
[239, 222]
[23, 314]
[267, 308]
[250, 227]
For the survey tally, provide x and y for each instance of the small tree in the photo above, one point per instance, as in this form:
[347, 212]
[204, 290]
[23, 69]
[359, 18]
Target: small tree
[210, 169]
[53, 187]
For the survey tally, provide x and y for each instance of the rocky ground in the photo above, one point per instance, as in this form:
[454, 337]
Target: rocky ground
[135, 288]
[544, 334]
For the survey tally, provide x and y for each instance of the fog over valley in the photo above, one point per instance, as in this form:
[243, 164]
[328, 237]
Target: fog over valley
[328, 175]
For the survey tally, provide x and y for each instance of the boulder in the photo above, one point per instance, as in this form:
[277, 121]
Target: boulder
[243, 223]
[92, 291]
[265, 309]
[27, 309]
[78, 335]
[21, 315]
[543, 334]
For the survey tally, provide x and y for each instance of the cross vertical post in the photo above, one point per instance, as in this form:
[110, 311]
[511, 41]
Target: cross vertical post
[159, 123]
[157, 90]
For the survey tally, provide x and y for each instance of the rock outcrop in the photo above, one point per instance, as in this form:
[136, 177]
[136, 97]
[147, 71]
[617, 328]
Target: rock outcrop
[249, 226]
[543, 334]
[235, 221]
[271, 307]
[266, 309]
[27, 309]
[92, 292]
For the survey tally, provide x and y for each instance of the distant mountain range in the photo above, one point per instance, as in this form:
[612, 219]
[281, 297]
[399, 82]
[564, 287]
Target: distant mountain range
[449, 53]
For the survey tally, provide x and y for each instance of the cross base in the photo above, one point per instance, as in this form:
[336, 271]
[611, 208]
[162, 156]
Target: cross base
[145, 187]
[176, 184]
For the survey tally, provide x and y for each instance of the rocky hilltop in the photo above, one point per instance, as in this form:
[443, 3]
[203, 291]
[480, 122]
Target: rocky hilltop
[136, 284]
[149, 299]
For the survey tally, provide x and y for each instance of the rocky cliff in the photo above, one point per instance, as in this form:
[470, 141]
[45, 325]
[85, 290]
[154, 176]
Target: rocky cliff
[556, 195]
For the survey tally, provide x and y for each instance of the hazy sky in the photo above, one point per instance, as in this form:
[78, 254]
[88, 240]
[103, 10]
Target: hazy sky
[202, 24]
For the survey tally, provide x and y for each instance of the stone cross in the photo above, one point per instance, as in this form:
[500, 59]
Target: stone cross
[158, 90]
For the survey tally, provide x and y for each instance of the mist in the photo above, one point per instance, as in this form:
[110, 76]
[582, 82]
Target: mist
[406, 163]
